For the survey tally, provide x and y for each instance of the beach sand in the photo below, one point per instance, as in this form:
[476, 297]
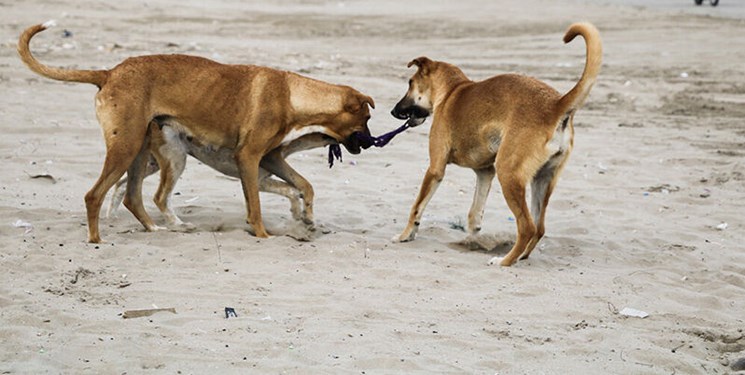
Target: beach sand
[646, 215]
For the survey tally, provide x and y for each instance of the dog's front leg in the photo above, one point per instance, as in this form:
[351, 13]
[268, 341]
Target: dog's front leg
[248, 165]
[432, 178]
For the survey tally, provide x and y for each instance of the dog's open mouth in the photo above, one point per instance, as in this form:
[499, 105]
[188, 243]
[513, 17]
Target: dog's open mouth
[415, 121]
[413, 115]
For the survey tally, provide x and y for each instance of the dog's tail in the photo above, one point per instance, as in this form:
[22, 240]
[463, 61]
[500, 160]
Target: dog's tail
[96, 77]
[577, 95]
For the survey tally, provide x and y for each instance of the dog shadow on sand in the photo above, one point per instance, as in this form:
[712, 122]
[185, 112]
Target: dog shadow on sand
[495, 244]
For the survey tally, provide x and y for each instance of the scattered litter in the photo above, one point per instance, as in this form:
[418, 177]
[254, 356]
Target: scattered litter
[267, 318]
[684, 75]
[66, 34]
[229, 311]
[722, 226]
[628, 311]
[457, 224]
[23, 224]
[664, 189]
[739, 365]
[129, 314]
[602, 168]
[191, 200]
[42, 175]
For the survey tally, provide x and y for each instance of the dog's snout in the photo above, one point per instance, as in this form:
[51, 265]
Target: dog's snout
[399, 113]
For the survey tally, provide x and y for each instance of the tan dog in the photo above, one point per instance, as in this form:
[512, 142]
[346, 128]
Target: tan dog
[169, 147]
[252, 110]
[512, 125]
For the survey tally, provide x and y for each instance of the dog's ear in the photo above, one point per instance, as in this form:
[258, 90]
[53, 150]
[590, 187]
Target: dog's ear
[423, 63]
[355, 103]
[367, 100]
[352, 105]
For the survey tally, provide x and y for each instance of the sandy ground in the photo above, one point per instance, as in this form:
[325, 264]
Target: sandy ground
[647, 215]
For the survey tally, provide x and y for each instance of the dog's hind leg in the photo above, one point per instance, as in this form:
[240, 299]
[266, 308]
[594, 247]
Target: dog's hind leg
[172, 161]
[275, 163]
[120, 188]
[514, 172]
[542, 187]
[117, 196]
[124, 139]
[133, 197]
[484, 179]
[286, 190]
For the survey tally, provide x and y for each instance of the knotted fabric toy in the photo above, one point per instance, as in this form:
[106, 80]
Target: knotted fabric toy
[335, 149]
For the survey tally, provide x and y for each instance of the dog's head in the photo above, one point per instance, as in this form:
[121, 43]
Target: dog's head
[351, 122]
[417, 105]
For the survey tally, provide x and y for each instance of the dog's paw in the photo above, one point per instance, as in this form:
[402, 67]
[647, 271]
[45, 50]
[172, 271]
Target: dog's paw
[495, 260]
[502, 261]
[155, 228]
[403, 237]
[183, 227]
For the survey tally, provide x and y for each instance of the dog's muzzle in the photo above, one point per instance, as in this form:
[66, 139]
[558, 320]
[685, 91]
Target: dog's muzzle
[358, 141]
[414, 113]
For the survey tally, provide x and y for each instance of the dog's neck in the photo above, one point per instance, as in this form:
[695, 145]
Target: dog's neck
[446, 78]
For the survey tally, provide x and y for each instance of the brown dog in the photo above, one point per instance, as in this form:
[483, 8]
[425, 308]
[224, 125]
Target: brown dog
[169, 148]
[252, 110]
[512, 125]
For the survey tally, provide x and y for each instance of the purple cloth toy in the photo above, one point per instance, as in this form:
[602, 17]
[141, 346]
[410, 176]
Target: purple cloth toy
[335, 150]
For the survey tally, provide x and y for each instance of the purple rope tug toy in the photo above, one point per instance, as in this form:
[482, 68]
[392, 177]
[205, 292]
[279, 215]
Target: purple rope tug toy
[335, 150]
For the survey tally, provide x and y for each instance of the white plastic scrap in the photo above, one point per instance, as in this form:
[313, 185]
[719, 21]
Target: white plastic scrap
[628, 311]
[23, 224]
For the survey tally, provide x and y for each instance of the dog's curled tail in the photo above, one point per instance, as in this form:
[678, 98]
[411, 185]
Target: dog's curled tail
[577, 95]
[96, 77]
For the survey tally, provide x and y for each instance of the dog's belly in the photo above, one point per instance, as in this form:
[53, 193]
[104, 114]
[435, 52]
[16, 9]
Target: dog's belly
[219, 158]
[476, 154]
[180, 140]
[473, 158]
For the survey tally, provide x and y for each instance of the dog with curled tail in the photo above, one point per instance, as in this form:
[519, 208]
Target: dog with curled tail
[511, 125]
